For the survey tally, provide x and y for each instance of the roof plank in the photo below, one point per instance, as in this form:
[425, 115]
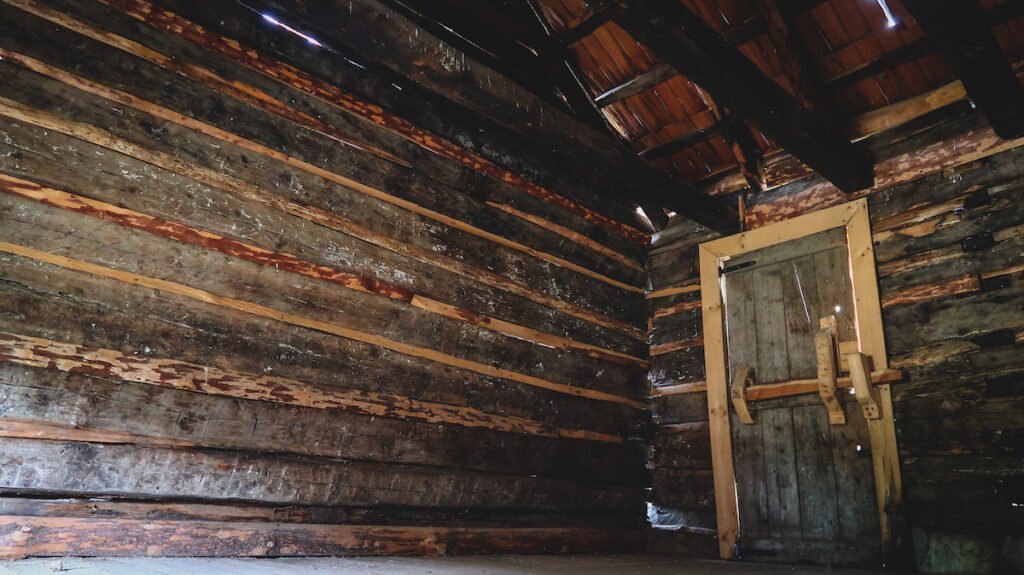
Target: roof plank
[688, 44]
[960, 31]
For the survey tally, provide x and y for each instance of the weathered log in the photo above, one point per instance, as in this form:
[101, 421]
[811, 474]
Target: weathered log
[53, 404]
[34, 536]
[79, 468]
[37, 303]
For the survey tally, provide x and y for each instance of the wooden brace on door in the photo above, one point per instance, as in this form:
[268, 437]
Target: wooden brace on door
[825, 348]
[743, 379]
[866, 393]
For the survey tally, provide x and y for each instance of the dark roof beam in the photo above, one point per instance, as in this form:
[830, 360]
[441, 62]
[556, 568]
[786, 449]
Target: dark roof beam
[683, 40]
[961, 33]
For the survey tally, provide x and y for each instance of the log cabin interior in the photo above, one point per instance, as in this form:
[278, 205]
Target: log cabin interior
[525, 286]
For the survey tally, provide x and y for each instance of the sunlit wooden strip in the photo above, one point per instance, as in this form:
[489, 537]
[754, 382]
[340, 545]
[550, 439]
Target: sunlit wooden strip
[664, 348]
[665, 292]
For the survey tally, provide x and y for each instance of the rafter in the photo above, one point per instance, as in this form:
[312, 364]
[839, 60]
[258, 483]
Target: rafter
[684, 41]
[960, 31]
[656, 75]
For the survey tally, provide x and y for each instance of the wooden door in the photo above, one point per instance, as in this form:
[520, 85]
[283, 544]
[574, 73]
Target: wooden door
[805, 488]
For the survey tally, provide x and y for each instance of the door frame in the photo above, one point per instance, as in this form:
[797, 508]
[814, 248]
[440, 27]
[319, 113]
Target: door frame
[852, 216]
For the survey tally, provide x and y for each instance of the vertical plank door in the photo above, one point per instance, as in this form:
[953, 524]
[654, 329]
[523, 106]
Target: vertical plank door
[805, 488]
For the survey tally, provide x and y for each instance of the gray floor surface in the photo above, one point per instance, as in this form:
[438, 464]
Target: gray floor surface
[470, 565]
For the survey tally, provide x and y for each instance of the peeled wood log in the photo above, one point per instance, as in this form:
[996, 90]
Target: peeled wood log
[106, 508]
[71, 358]
[60, 405]
[343, 311]
[302, 241]
[964, 148]
[663, 389]
[676, 346]
[53, 536]
[294, 162]
[38, 299]
[568, 233]
[277, 260]
[922, 293]
[669, 291]
[677, 308]
[79, 468]
[168, 21]
[945, 319]
[249, 94]
[455, 192]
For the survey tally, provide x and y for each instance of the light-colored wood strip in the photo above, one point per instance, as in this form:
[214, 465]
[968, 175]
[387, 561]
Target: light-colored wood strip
[257, 97]
[290, 263]
[568, 233]
[664, 348]
[523, 332]
[308, 323]
[875, 121]
[715, 367]
[679, 388]
[805, 386]
[26, 536]
[255, 147]
[327, 219]
[673, 428]
[233, 50]
[678, 308]
[966, 283]
[669, 291]
[1003, 272]
[19, 429]
[174, 374]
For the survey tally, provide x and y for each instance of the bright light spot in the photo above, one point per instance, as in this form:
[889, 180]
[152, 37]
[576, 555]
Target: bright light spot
[890, 20]
[670, 213]
[284, 26]
[853, 391]
[839, 308]
[859, 448]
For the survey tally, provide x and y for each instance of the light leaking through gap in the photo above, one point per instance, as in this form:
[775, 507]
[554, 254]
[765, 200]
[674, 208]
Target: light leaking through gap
[890, 20]
[284, 26]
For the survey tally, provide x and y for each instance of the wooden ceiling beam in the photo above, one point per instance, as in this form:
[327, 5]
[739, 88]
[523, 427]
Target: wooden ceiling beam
[741, 143]
[683, 40]
[555, 59]
[593, 20]
[681, 143]
[793, 53]
[960, 32]
[914, 50]
[649, 79]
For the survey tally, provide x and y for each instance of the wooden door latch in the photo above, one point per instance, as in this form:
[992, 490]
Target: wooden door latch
[867, 394]
[825, 349]
[743, 379]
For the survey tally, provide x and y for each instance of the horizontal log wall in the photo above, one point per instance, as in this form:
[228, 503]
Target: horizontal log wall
[244, 311]
[949, 248]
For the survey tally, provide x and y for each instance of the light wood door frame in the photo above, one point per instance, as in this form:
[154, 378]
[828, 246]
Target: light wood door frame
[852, 216]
